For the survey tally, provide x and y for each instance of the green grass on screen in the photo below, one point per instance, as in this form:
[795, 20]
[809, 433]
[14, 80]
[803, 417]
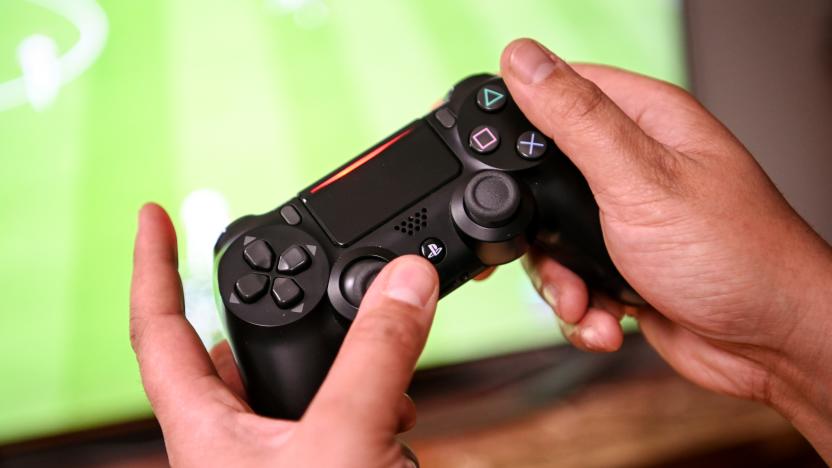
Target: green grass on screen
[216, 109]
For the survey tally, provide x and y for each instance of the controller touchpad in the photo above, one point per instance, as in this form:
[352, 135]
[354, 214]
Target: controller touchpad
[376, 186]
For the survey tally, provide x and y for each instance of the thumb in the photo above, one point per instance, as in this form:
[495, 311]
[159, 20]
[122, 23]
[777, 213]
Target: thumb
[608, 147]
[376, 361]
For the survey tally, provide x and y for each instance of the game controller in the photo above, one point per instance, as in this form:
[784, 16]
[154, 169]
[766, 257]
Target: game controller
[471, 185]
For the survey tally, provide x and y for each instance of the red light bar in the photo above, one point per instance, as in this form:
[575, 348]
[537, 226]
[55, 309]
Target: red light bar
[361, 161]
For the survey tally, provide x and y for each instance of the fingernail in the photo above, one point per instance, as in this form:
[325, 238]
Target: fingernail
[591, 339]
[410, 282]
[631, 311]
[531, 62]
[531, 272]
[568, 329]
[143, 210]
[550, 296]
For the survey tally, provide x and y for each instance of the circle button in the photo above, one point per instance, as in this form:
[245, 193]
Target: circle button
[433, 249]
[484, 139]
[531, 145]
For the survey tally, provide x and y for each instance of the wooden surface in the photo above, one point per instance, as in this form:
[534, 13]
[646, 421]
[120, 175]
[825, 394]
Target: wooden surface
[655, 421]
[518, 412]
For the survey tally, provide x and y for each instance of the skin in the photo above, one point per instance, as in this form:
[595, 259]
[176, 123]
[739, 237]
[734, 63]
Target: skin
[739, 285]
[199, 399]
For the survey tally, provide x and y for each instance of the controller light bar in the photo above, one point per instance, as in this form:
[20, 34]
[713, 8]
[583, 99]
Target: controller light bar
[361, 161]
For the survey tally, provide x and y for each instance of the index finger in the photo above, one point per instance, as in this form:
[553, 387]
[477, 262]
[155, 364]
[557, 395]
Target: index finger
[176, 371]
[652, 103]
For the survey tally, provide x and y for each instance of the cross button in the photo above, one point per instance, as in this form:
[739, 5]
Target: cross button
[531, 145]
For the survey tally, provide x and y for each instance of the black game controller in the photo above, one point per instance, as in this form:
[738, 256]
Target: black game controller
[468, 186]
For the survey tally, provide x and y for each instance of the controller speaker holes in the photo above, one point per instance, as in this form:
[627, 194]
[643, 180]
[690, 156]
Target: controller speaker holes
[414, 222]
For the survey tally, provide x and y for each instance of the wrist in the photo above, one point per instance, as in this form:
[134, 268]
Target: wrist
[800, 375]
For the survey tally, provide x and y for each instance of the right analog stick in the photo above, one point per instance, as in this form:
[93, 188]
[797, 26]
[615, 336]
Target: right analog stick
[356, 279]
[491, 198]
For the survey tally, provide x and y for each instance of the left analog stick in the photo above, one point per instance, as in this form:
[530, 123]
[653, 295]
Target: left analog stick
[356, 279]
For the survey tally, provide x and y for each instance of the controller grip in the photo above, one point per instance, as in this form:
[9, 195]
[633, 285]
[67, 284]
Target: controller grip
[282, 367]
[570, 229]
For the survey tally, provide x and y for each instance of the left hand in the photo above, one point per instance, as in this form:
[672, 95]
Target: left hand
[200, 403]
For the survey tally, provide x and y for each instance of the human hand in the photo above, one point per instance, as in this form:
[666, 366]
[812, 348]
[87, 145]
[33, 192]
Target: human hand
[200, 404]
[739, 284]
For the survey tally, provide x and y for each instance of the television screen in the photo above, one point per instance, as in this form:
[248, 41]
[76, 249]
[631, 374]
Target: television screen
[217, 109]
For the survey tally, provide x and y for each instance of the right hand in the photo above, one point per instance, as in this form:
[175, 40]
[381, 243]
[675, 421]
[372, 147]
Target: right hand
[739, 284]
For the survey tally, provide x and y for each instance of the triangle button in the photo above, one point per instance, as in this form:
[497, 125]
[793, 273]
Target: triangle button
[491, 98]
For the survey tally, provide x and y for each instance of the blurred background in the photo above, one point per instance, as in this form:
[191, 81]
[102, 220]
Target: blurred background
[217, 109]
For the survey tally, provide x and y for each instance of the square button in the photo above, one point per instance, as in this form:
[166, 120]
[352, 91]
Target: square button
[484, 139]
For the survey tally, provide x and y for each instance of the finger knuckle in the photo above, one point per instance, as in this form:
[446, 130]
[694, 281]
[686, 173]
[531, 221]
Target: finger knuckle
[580, 100]
[399, 328]
[137, 328]
[668, 170]
[665, 171]
[331, 407]
[675, 93]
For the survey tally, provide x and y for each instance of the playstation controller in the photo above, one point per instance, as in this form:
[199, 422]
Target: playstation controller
[469, 186]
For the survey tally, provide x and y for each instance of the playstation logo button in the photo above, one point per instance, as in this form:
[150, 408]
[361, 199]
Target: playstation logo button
[433, 249]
